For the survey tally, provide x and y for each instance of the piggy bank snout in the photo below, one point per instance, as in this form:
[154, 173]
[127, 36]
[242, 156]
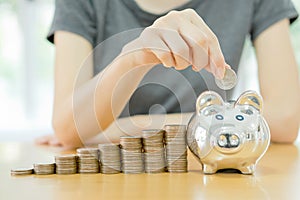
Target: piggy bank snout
[228, 141]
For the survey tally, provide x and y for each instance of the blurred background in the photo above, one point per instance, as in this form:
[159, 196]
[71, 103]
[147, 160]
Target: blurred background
[26, 68]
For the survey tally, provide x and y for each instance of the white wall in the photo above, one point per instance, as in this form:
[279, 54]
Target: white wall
[26, 69]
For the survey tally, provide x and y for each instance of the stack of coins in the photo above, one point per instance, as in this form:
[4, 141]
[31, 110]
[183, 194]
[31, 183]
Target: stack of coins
[44, 169]
[110, 158]
[66, 164]
[176, 151]
[154, 150]
[132, 156]
[21, 171]
[88, 160]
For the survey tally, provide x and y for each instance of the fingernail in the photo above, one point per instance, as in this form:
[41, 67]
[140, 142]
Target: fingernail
[227, 66]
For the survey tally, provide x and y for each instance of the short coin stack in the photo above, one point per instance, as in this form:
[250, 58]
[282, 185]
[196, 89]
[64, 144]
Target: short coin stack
[132, 157]
[44, 169]
[21, 171]
[176, 151]
[66, 164]
[154, 150]
[110, 158]
[88, 160]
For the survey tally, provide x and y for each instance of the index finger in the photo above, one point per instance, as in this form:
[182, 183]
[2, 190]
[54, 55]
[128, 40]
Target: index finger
[216, 54]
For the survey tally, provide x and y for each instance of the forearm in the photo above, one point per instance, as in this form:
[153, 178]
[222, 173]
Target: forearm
[279, 82]
[282, 107]
[284, 124]
[93, 106]
[135, 124]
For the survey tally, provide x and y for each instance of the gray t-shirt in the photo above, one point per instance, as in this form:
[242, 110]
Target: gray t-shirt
[166, 90]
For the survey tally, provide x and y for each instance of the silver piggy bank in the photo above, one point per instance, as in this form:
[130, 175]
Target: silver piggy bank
[228, 135]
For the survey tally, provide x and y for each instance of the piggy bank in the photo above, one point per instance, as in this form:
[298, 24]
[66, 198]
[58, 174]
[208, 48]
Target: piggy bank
[228, 135]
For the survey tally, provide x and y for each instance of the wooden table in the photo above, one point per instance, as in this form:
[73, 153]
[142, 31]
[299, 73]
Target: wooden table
[277, 177]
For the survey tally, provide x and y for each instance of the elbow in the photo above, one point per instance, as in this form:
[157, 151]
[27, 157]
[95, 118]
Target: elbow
[66, 133]
[286, 129]
[284, 139]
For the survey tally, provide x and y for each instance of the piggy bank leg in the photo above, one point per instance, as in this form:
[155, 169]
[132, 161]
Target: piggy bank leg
[247, 169]
[209, 168]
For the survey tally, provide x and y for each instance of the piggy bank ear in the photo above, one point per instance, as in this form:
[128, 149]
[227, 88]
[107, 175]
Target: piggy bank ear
[209, 103]
[250, 98]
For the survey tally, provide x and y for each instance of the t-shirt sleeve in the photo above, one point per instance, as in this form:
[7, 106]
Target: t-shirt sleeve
[268, 12]
[76, 16]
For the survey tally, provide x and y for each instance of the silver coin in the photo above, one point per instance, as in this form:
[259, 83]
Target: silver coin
[176, 151]
[229, 80]
[21, 171]
[44, 168]
[131, 155]
[110, 158]
[154, 152]
[88, 160]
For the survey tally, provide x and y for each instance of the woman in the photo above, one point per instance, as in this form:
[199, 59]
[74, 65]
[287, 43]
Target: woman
[202, 34]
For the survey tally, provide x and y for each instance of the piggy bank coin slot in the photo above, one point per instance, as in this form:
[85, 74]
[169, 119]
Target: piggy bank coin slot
[247, 111]
[210, 110]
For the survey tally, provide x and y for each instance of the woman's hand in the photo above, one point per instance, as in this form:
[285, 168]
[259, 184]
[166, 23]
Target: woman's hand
[50, 139]
[180, 39]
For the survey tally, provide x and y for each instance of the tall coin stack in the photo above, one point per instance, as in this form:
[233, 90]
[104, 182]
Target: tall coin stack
[154, 150]
[110, 158]
[132, 157]
[66, 164]
[88, 160]
[176, 150]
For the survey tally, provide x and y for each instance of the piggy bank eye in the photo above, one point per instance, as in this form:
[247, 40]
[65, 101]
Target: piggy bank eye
[239, 117]
[219, 117]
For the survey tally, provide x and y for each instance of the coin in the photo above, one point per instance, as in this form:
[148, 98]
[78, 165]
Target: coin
[229, 80]
[88, 160]
[131, 153]
[44, 168]
[87, 151]
[176, 148]
[66, 164]
[110, 158]
[21, 171]
[154, 153]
